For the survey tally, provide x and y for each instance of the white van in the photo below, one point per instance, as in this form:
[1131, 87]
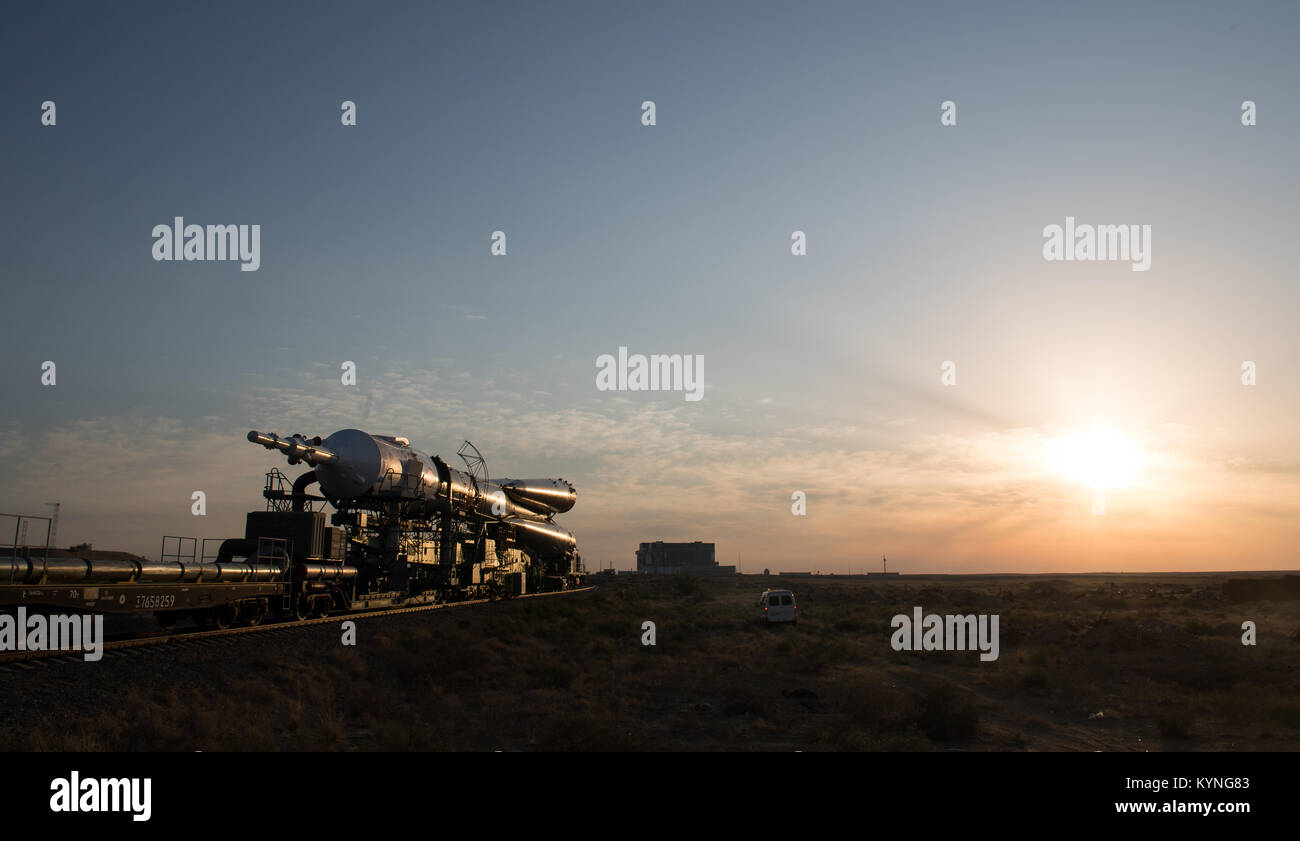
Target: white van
[779, 606]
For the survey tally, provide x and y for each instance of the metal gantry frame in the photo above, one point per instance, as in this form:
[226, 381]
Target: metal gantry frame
[181, 547]
[20, 530]
[476, 465]
[20, 538]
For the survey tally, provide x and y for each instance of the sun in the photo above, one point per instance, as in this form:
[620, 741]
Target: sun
[1100, 458]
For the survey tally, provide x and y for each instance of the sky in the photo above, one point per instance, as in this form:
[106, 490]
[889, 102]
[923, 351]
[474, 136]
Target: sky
[1095, 419]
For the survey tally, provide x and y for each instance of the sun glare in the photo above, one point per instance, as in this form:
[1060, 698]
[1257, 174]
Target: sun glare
[1099, 458]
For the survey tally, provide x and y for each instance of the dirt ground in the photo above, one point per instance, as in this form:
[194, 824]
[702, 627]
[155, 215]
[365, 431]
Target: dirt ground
[1111, 663]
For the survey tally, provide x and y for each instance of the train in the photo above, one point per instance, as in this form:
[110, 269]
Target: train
[405, 529]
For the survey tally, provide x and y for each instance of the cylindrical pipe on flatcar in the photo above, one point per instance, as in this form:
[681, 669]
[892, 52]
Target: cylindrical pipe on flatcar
[160, 571]
[14, 569]
[323, 572]
[240, 572]
[62, 569]
[66, 570]
[225, 572]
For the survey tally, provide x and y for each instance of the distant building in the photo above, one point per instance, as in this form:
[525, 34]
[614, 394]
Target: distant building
[660, 558]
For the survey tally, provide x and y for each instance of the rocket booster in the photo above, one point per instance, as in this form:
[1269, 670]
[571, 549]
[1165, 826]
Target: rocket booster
[351, 464]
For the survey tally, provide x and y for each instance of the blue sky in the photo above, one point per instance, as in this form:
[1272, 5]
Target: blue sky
[822, 371]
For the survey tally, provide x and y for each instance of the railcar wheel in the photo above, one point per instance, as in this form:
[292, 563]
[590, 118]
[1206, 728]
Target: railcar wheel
[223, 617]
[302, 608]
[323, 607]
[257, 612]
[166, 621]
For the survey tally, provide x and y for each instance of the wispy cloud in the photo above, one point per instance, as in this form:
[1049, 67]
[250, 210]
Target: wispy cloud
[651, 470]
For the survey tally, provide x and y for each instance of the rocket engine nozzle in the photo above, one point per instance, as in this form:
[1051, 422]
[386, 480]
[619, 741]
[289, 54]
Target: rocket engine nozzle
[296, 447]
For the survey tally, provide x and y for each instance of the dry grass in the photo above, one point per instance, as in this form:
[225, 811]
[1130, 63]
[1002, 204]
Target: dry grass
[1155, 657]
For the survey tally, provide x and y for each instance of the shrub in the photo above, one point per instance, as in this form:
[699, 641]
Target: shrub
[1035, 679]
[556, 677]
[945, 715]
[1286, 712]
[1175, 726]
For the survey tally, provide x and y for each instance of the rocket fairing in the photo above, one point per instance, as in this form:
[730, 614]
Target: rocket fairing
[355, 465]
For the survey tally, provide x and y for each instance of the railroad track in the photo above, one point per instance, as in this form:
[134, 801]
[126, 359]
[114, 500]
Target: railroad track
[27, 660]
